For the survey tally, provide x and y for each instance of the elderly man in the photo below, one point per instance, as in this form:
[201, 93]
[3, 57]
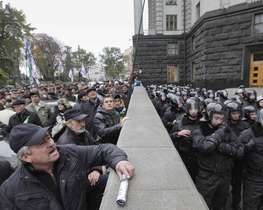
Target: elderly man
[75, 133]
[50, 177]
[22, 115]
[88, 105]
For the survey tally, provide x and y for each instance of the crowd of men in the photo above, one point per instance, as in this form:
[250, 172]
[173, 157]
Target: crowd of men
[220, 140]
[65, 137]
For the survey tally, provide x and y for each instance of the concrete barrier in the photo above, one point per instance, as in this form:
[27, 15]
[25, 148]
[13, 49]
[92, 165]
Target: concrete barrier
[161, 180]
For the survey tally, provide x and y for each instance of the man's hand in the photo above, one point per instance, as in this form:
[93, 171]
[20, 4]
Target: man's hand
[123, 120]
[125, 168]
[93, 177]
[184, 133]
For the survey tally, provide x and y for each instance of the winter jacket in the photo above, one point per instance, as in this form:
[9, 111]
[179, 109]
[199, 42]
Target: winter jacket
[184, 144]
[43, 112]
[252, 138]
[23, 117]
[23, 191]
[69, 137]
[217, 148]
[107, 126]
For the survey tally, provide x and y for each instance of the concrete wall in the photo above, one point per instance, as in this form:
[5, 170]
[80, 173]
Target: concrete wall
[161, 181]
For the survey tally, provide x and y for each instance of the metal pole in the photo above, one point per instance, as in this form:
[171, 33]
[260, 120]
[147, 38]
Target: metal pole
[185, 73]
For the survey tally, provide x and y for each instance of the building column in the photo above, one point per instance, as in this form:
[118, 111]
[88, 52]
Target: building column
[138, 18]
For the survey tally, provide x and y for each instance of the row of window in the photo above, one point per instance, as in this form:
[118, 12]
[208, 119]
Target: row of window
[173, 70]
[171, 2]
[258, 23]
[171, 23]
[172, 49]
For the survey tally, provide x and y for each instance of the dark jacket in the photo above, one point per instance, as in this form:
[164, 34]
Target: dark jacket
[24, 191]
[252, 138]
[23, 117]
[56, 115]
[87, 107]
[170, 116]
[90, 108]
[238, 127]
[216, 148]
[162, 106]
[5, 170]
[107, 125]
[184, 144]
[69, 137]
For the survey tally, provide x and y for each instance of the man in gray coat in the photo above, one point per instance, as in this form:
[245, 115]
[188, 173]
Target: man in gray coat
[40, 108]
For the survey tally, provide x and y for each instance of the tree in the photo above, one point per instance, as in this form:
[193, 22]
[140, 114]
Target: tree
[82, 57]
[47, 54]
[113, 62]
[13, 29]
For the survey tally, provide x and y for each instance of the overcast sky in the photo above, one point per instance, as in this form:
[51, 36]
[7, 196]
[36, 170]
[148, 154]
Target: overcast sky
[92, 24]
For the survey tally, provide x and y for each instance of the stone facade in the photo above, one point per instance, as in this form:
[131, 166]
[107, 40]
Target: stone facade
[223, 41]
[152, 59]
[218, 49]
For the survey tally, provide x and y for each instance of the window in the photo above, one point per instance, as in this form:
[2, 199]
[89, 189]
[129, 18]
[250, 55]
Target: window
[172, 74]
[172, 49]
[258, 25]
[171, 2]
[258, 56]
[171, 22]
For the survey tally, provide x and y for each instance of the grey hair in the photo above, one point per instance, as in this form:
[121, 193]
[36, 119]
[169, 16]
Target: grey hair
[23, 150]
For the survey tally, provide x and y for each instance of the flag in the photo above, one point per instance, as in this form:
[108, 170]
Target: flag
[31, 68]
[70, 75]
[60, 68]
[83, 72]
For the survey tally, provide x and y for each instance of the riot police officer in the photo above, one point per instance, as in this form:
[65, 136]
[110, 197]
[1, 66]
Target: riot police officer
[181, 135]
[217, 147]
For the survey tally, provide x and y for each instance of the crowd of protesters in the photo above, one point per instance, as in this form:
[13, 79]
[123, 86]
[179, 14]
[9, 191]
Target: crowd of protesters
[75, 114]
[220, 140]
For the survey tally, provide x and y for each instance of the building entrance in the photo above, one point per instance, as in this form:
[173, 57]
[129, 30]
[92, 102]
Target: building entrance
[256, 70]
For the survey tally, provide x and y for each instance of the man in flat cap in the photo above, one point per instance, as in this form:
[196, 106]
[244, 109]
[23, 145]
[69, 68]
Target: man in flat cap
[22, 115]
[89, 106]
[75, 133]
[50, 177]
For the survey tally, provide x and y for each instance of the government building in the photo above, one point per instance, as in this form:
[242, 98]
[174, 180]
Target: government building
[206, 43]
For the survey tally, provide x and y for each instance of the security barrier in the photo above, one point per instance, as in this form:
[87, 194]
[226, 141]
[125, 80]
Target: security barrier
[161, 181]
